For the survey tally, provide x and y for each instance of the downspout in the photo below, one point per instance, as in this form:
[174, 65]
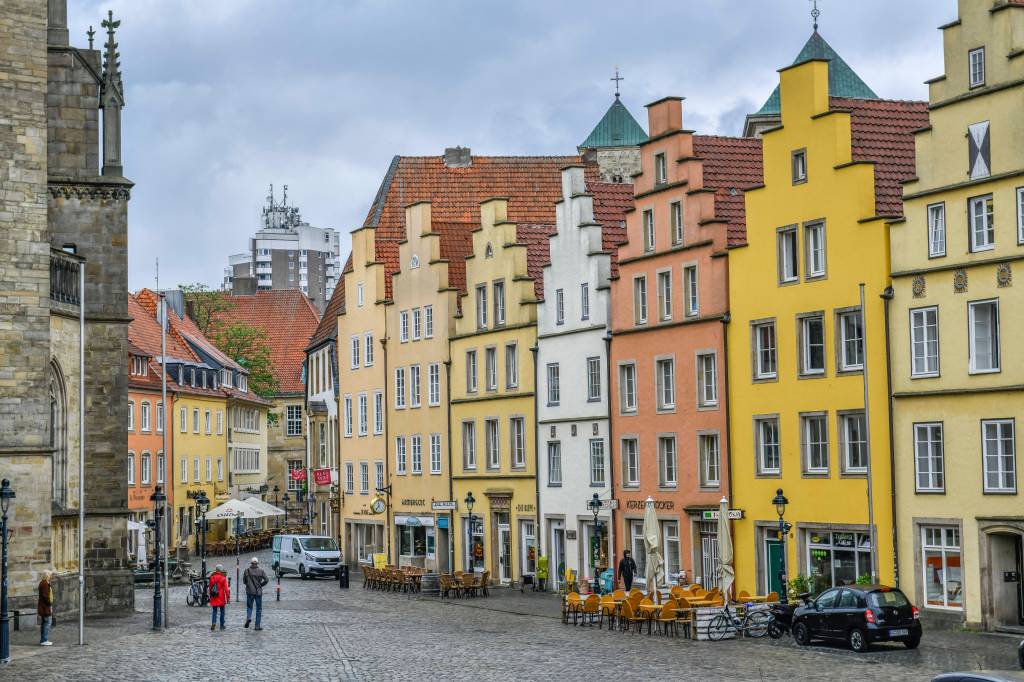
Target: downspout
[887, 297]
[611, 453]
[387, 441]
[81, 458]
[536, 451]
[451, 481]
[726, 319]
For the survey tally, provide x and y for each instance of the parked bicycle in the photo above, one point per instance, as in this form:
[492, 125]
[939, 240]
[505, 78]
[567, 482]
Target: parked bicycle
[753, 624]
[197, 595]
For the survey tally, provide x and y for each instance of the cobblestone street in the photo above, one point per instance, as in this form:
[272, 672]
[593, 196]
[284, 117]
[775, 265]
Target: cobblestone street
[320, 632]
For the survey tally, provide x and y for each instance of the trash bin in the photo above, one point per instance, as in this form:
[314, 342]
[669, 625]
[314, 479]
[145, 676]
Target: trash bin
[608, 580]
[343, 577]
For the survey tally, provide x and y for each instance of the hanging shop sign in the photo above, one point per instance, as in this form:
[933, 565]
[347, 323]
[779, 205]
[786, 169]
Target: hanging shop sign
[322, 476]
[713, 514]
[444, 505]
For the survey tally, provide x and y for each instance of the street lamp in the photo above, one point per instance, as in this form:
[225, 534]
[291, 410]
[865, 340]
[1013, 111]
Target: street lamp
[6, 495]
[594, 505]
[286, 499]
[312, 506]
[780, 503]
[277, 490]
[157, 498]
[203, 505]
[470, 501]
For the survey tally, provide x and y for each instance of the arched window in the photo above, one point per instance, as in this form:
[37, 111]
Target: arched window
[59, 434]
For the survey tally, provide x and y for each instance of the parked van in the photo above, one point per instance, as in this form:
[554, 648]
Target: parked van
[305, 555]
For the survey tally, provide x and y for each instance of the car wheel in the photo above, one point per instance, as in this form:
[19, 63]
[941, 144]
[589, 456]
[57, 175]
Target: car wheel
[912, 643]
[858, 642]
[801, 634]
[302, 571]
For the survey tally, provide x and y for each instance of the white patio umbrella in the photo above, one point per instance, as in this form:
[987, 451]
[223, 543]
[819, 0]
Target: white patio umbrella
[233, 509]
[726, 573]
[652, 540]
[267, 508]
[139, 529]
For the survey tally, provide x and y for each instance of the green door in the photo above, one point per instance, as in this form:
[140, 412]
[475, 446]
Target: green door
[774, 552]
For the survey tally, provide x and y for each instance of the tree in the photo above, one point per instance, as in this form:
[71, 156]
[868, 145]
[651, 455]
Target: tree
[250, 348]
[203, 305]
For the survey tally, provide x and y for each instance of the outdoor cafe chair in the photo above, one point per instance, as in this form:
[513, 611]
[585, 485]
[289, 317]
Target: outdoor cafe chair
[485, 581]
[676, 592]
[666, 618]
[684, 615]
[469, 586]
[619, 595]
[743, 595]
[591, 609]
[628, 618]
[572, 604]
[635, 590]
[772, 597]
[608, 608]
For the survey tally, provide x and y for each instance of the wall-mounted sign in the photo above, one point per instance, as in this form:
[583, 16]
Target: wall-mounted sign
[713, 514]
[298, 474]
[570, 534]
[322, 476]
[525, 508]
[658, 504]
[413, 503]
[444, 505]
[609, 504]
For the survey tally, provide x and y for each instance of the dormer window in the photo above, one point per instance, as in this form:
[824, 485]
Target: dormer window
[976, 67]
[204, 379]
[243, 383]
[226, 378]
[660, 169]
[139, 366]
[193, 379]
[799, 166]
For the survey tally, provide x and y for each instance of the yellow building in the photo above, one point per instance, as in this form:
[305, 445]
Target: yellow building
[420, 321]
[200, 452]
[493, 413]
[956, 386]
[816, 230]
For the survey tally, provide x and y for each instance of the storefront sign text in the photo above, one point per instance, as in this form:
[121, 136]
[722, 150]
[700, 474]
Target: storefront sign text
[525, 508]
[658, 504]
[413, 503]
[712, 515]
[443, 505]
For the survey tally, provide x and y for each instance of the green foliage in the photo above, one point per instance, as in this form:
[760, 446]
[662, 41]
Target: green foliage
[864, 579]
[203, 304]
[248, 347]
[799, 584]
[273, 418]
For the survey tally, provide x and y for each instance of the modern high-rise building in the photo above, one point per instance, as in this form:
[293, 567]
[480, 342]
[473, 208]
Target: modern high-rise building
[286, 253]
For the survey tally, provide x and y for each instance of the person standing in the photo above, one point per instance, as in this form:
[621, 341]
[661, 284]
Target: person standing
[627, 569]
[254, 578]
[45, 609]
[220, 593]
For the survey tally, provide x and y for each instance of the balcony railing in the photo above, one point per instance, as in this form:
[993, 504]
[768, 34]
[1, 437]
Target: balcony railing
[64, 277]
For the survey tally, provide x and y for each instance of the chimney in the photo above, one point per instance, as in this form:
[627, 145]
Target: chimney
[664, 115]
[457, 157]
[57, 23]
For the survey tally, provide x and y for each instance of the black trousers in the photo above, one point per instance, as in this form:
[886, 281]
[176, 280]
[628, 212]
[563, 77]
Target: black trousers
[627, 580]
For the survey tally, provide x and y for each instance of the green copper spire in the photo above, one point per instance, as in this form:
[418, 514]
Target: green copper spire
[617, 128]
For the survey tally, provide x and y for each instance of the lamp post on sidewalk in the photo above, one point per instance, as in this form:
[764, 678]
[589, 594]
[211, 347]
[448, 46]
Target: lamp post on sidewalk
[203, 505]
[6, 495]
[286, 499]
[780, 503]
[157, 498]
[594, 505]
[470, 501]
[277, 489]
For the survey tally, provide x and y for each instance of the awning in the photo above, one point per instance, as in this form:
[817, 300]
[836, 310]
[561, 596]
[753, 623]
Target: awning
[414, 521]
[233, 509]
[265, 507]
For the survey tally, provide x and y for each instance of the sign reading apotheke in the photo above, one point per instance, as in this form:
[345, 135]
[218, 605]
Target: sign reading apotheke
[444, 505]
[713, 514]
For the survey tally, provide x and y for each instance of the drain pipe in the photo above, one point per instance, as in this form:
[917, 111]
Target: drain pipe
[887, 297]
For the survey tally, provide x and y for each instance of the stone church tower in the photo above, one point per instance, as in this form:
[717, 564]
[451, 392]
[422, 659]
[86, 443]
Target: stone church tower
[614, 143]
[59, 213]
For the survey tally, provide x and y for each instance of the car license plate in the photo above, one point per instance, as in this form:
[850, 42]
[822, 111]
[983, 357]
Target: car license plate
[899, 632]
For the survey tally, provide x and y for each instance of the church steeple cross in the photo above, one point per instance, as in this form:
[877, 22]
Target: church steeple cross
[815, 13]
[617, 78]
[91, 33]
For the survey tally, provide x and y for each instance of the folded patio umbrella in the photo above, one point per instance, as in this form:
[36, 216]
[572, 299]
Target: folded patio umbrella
[726, 573]
[654, 572]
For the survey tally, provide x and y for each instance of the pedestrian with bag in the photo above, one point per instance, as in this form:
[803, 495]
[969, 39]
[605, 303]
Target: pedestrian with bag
[254, 578]
[220, 593]
[45, 609]
[627, 569]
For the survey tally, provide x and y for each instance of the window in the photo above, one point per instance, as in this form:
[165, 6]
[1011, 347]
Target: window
[434, 384]
[676, 218]
[364, 415]
[417, 324]
[648, 230]
[660, 169]
[435, 453]
[554, 463]
[471, 371]
[182, 420]
[400, 455]
[789, 265]
[220, 469]
[851, 341]
[982, 226]
[293, 466]
[664, 295]
[131, 415]
[243, 383]
[368, 351]
[799, 166]
[667, 472]
[399, 388]
[416, 453]
[469, 445]
[160, 467]
[364, 478]
[940, 562]
[499, 303]
[984, 340]
[481, 306]
[593, 379]
[924, 341]
[639, 547]
[597, 475]
[707, 446]
[428, 322]
[159, 417]
[195, 420]
[517, 427]
[853, 430]
[554, 389]
[414, 385]
[665, 376]
[999, 453]
[354, 359]
[690, 289]
[378, 469]
[585, 288]
[814, 242]
[929, 464]
[766, 431]
[293, 420]
[1020, 215]
[936, 230]
[511, 366]
[403, 326]
[815, 444]
[209, 468]
[184, 470]
[206, 421]
[491, 368]
[812, 344]
[360, 295]
[348, 415]
[350, 478]
[765, 362]
[196, 466]
[627, 388]
[559, 306]
[131, 468]
[670, 542]
[630, 463]
[640, 300]
[837, 559]
[493, 449]
[976, 67]
[707, 379]
[378, 412]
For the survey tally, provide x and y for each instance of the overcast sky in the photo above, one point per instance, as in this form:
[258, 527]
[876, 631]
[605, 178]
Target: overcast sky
[226, 97]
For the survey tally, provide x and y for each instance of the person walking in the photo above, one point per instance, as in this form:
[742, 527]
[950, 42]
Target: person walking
[627, 569]
[254, 578]
[220, 593]
[45, 609]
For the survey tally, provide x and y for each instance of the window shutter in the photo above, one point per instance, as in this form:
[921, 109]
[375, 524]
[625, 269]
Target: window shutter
[979, 153]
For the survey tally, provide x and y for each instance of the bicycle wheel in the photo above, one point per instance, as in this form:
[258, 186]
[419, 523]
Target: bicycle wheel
[719, 627]
[190, 598]
[757, 623]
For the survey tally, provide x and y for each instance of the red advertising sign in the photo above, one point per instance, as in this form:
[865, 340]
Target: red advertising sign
[298, 474]
[322, 476]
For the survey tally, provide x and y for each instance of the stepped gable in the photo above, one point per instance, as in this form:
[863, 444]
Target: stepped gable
[882, 132]
[731, 166]
[537, 239]
[328, 327]
[611, 201]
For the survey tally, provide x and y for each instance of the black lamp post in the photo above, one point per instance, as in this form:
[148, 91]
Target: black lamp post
[277, 490]
[470, 501]
[594, 505]
[203, 505]
[780, 503]
[157, 498]
[6, 495]
[286, 499]
[312, 510]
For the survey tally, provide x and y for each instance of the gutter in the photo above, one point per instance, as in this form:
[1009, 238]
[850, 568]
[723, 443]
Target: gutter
[887, 297]
[536, 453]
[611, 450]
[451, 480]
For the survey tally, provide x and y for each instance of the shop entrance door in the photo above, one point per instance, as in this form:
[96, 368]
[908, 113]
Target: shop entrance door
[773, 553]
[504, 553]
[442, 551]
[709, 553]
[558, 554]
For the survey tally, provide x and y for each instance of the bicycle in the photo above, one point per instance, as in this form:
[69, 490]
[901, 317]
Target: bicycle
[753, 624]
[196, 595]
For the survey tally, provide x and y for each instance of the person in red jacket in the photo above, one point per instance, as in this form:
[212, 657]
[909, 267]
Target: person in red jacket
[220, 593]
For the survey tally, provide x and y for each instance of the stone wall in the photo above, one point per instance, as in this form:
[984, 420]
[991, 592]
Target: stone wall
[72, 103]
[617, 163]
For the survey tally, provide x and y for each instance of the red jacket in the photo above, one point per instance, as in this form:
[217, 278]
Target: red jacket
[223, 591]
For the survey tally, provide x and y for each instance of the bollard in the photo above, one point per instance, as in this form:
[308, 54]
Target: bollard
[278, 586]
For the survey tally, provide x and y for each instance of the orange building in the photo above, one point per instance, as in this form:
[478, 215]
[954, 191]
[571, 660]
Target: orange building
[669, 303]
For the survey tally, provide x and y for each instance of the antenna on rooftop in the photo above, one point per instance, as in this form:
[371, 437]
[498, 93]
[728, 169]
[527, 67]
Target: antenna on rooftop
[617, 78]
[815, 13]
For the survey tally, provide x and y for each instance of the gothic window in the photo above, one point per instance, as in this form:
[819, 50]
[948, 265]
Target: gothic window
[59, 433]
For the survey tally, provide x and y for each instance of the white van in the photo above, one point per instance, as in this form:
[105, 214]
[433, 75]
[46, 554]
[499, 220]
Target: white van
[305, 555]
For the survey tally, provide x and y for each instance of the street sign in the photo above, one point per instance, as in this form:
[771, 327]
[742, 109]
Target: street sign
[609, 504]
[712, 515]
[444, 505]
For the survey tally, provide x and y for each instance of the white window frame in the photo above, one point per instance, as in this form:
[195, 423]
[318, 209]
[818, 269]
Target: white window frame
[798, 165]
[846, 423]
[435, 453]
[559, 306]
[360, 294]
[364, 478]
[594, 379]
[976, 67]
[417, 324]
[936, 215]
[766, 357]
[996, 349]
[585, 291]
[664, 278]
[131, 468]
[368, 350]
[428, 321]
[919, 321]
[806, 444]
[660, 169]
[293, 420]
[378, 412]
[403, 326]
[511, 365]
[492, 442]
[691, 284]
[471, 371]
[350, 478]
[347, 416]
[499, 302]
[648, 230]
[709, 453]
[434, 384]
[929, 457]
[491, 368]
[354, 346]
[481, 306]
[668, 461]
[981, 222]
[788, 254]
[1020, 215]
[131, 415]
[766, 449]
[1001, 470]
[469, 445]
[553, 375]
[416, 454]
[945, 551]
[640, 299]
[805, 345]
[517, 441]
[554, 463]
[845, 364]
[400, 395]
[665, 383]
[707, 380]
[598, 469]
[815, 264]
[627, 388]
[364, 414]
[675, 211]
[415, 375]
[629, 448]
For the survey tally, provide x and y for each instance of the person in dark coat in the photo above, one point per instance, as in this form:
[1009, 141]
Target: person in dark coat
[45, 609]
[254, 578]
[220, 593]
[627, 569]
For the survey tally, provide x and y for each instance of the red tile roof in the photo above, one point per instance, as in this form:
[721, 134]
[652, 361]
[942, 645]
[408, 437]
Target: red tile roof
[731, 165]
[288, 319]
[537, 239]
[328, 327]
[611, 201]
[882, 132]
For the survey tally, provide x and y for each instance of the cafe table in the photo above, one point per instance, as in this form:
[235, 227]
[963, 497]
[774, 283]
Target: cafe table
[649, 612]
